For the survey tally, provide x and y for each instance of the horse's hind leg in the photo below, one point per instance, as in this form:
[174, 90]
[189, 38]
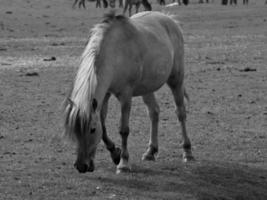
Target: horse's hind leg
[137, 7]
[153, 111]
[114, 151]
[82, 4]
[178, 92]
[105, 3]
[74, 3]
[98, 4]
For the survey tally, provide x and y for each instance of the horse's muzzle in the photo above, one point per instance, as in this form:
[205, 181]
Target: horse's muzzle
[83, 167]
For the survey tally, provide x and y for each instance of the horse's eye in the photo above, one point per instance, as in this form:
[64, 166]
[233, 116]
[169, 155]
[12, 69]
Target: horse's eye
[92, 130]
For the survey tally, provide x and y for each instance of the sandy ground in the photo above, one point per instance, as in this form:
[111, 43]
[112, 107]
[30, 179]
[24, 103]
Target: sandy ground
[226, 78]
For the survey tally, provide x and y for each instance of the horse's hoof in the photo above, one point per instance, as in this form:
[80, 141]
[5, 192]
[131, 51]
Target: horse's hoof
[123, 167]
[123, 170]
[116, 156]
[148, 157]
[188, 158]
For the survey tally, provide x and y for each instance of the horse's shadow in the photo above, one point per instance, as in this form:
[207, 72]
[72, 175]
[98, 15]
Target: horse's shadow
[199, 180]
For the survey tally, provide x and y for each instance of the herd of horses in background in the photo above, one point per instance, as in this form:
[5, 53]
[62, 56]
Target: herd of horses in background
[128, 4]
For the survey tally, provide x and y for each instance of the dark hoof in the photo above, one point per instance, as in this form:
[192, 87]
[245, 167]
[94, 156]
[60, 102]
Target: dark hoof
[148, 157]
[116, 156]
[123, 170]
[188, 157]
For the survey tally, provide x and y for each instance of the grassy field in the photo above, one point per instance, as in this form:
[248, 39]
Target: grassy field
[226, 78]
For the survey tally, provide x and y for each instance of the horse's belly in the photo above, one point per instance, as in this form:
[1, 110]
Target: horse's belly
[141, 90]
[155, 74]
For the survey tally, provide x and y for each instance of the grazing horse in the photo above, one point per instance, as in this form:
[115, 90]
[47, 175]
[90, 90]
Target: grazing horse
[126, 57]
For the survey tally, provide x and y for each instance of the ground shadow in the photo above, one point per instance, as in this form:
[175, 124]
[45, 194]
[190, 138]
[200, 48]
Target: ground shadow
[201, 180]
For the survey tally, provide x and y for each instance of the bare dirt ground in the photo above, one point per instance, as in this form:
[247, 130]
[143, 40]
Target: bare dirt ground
[226, 78]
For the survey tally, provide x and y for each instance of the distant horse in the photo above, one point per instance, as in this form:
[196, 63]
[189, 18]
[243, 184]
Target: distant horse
[82, 3]
[112, 3]
[125, 57]
[128, 4]
[233, 2]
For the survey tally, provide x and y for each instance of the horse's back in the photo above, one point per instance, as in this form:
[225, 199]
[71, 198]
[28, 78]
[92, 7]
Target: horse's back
[149, 46]
[164, 47]
[160, 27]
[153, 19]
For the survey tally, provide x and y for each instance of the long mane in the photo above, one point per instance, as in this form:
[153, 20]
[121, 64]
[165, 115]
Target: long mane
[78, 106]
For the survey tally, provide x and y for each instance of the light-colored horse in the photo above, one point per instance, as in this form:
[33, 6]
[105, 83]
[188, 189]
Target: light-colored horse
[125, 57]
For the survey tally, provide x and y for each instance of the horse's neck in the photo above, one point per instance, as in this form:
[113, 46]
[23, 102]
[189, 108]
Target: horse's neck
[101, 91]
[105, 62]
[103, 84]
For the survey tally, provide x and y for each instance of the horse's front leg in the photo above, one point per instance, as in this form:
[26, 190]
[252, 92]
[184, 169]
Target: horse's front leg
[121, 3]
[82, 3]
[74, 4]
[114, 151]
[124, 132]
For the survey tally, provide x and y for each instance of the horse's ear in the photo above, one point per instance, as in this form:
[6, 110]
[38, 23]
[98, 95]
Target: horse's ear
[94, 104]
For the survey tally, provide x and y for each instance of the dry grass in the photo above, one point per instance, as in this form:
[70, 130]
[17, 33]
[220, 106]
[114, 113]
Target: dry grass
[227, 118]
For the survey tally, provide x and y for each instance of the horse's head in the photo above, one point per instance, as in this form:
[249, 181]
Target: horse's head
[87, 131]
